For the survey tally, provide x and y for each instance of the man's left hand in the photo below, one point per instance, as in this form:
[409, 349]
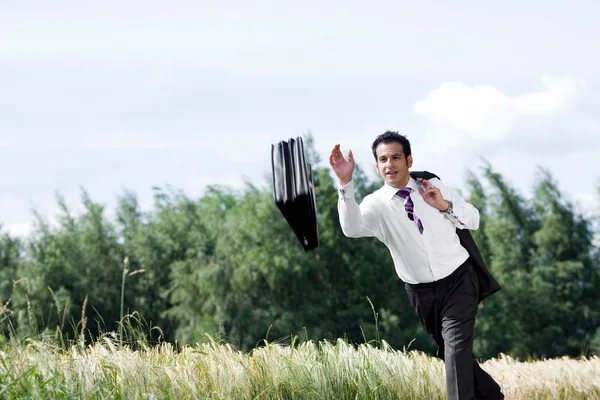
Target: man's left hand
[432, 195]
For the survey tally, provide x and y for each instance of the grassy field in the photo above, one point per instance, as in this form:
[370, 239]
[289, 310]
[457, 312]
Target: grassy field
[106, 370]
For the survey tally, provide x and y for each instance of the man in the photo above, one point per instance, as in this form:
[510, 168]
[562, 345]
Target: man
[418, 220]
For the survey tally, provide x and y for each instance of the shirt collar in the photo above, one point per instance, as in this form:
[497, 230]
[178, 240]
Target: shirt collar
[390, 192]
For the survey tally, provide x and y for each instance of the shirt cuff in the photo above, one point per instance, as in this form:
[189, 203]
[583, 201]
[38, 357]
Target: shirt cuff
[346, 191]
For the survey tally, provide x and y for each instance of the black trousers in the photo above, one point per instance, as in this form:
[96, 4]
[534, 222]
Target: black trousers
[447, 308]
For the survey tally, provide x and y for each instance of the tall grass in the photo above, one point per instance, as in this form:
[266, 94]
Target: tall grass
[123, 365]
[106, 370]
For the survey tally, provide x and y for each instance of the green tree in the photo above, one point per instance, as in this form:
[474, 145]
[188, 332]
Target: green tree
[79, 259]
[540, 252]
[197, 283]
[564, 270]
[11, 249]
[155, 243]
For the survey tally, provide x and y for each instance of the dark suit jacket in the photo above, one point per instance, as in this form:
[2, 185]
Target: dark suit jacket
[487, 283]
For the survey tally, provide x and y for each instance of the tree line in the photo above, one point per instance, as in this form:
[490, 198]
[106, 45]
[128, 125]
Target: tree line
[227, 265]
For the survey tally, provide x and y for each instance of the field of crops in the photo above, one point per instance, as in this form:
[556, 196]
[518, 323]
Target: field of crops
[107, 370]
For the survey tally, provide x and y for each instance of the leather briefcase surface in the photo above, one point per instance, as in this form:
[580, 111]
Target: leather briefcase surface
[294, 191]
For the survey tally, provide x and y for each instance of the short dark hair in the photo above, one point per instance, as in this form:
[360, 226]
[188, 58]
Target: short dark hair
[391, 137]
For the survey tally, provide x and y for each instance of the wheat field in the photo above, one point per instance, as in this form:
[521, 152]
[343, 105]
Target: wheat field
[324, 370]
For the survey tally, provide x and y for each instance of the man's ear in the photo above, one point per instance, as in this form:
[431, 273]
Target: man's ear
[409, 161]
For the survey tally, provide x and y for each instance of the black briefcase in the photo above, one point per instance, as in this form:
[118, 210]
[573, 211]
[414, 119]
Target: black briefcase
[294, 190]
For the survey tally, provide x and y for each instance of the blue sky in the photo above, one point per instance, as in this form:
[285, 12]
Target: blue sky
[127, 95]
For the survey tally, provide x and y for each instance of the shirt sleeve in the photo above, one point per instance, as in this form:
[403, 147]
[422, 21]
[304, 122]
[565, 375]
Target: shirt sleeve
[356, 220]
[463, 215]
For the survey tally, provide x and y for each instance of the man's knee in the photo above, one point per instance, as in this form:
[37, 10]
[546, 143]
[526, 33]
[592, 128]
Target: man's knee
[458, 335]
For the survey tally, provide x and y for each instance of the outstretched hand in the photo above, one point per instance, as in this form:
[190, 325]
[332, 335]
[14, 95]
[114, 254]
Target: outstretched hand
[432, 195]
[342, 168]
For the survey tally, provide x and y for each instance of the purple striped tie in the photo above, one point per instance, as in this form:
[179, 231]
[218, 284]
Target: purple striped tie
[409, 207]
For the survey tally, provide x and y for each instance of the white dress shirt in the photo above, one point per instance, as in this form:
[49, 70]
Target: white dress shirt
[418, 258]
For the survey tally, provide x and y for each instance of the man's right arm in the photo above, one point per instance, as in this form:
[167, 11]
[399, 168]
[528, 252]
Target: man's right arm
[356, 221]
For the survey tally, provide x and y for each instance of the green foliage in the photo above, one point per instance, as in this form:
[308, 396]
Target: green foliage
[541, 253]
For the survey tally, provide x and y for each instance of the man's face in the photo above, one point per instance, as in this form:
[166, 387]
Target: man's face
[392, 165]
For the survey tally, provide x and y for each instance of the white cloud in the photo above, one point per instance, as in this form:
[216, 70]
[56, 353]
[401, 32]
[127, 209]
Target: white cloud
[586, 202]
[456, 111]
[197, 185]
[478, 110]
[161, 75]
[17, 211]
[263, 36]
[5, 143]
[239, 147]
[558, 96]
[19, 229]
[13, 205]
[126, 140]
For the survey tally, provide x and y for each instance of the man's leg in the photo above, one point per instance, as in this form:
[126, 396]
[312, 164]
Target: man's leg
[457, 331]
[429, 302]
[485, 386]
[423, 299]
[464, 377]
